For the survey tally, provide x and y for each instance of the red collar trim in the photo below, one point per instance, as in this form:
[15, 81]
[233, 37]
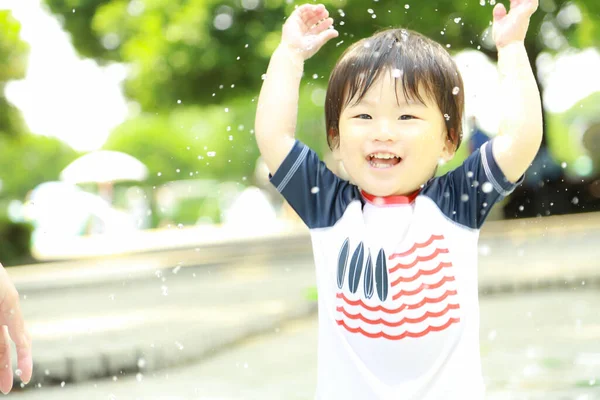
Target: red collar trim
[390, 200]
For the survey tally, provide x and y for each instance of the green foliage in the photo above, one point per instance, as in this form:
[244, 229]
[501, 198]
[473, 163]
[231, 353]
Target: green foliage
[13, 63]
[178, 54]
[28, 160]
[13, 51]
[14, 242]
[566, 130]
[210, 142]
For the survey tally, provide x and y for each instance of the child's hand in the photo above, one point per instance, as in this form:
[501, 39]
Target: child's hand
[512, 27]
[308, 29]
[11, 317]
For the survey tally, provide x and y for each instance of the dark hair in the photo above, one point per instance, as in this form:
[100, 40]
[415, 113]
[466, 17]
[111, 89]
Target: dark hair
[423, 62]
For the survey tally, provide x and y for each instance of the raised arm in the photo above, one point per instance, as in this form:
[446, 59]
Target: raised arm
[520, 106]
[306, 30]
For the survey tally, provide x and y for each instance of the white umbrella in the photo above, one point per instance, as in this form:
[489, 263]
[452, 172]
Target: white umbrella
[104, 166]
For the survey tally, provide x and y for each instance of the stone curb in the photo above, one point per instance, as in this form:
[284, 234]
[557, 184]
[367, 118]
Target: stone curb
[123, 360]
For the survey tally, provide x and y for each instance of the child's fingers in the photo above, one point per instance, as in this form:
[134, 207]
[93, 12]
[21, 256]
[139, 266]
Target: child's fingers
[313, 17]
[327, 35]
[6, 374]
[326, 24]
[499, 12]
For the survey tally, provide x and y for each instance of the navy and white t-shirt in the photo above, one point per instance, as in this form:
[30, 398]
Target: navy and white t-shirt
[396, 278]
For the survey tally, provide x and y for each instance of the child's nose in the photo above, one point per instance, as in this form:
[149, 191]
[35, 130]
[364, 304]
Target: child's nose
[385, 131]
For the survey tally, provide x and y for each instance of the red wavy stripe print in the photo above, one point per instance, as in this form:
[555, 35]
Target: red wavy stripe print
[422, 272]
[419, 259]
[402, 336]
[417, 246]
[426, 300]
[423, 287]
[405, 320]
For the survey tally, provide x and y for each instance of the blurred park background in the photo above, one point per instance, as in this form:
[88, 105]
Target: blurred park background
[127, 146]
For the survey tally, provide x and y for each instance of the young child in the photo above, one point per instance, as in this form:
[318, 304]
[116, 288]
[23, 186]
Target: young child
[396, 248]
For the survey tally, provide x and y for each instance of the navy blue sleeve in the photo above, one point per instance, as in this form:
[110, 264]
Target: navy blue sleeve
[314, 192]
[467, 194]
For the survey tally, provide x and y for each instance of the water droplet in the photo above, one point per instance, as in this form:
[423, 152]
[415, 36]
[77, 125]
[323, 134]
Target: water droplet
[62, 384]
[464, 198]
[211, 153]
[492, 2]
[141, 363]
[315, 76]
[179, 345]
[139, 376]
[159, 174]
[407, 6]
[314, 190]
[18, 372]
[564, 165]
[370, 11]
[338, 44]
[485, 250]
[469, 174]
[521, 208]
[482, 2]
[263, 76]
[226, 109]
[397, 73]
[487, 187]
[367, 45]
[575, 200]
[457, 20]
[178, 101]
[374, 16]
[456, 90]
[178, 170]
[447, 117]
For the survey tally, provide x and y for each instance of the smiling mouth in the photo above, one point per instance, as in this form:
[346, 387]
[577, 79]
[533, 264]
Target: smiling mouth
[383, 160]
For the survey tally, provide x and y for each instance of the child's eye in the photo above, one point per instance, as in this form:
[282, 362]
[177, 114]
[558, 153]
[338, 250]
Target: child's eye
[406, 117]
[363, 116]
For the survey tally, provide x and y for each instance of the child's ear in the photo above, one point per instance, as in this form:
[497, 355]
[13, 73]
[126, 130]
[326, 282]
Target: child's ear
[449, 147]
[334, 140]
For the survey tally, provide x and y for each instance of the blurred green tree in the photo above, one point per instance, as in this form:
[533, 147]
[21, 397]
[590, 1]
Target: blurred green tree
[207, 52]
[194, 50]
[13, 63]
[26, 160]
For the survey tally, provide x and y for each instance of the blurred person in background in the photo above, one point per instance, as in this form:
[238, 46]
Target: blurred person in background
[478, 136]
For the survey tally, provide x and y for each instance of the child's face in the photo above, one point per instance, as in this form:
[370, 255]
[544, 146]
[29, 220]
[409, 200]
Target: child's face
[383, 123]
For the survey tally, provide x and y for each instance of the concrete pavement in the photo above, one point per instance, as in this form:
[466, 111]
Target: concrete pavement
[537, 346]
